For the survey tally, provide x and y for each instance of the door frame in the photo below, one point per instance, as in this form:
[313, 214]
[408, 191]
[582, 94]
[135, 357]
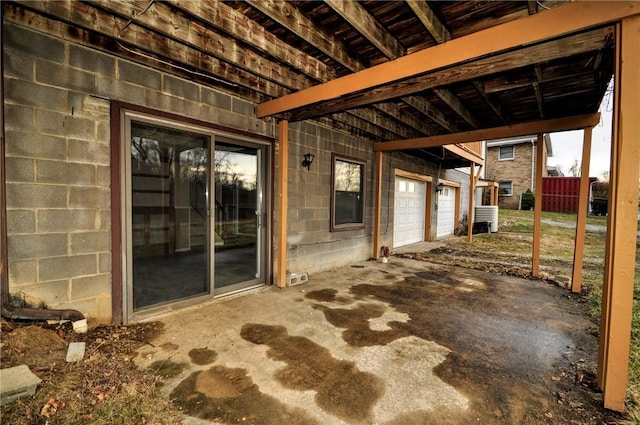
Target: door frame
[121, 314]
[456, 204]
[428, 180]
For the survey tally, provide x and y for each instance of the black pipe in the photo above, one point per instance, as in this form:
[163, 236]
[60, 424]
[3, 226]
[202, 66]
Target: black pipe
[9, 312]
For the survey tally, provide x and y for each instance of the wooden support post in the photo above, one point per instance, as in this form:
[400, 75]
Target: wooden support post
[537, 214]
[472, 187]
[581, 221]
[377, 207]
[283, 201]
[617, 300]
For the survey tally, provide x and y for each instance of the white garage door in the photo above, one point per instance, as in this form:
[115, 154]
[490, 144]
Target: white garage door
[446, 208]
[408, 223]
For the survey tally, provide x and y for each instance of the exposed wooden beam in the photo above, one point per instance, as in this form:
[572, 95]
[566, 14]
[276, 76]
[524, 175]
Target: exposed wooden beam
[537, 208]
[376, 118]
[317, 103]
[161, 19]
[620, 258]
[365, 24]
[538, 90]
[425, 107]
[144, 46]
[532, 6]
[544, 126]
[436, 28]
[394, 111]
[464, 153]
[225, 18]
[283, 202]
[458, 107]
[472, 188]
[581, 219]
[546, 25]
[377, 209]
[287, 15]
[495, 107]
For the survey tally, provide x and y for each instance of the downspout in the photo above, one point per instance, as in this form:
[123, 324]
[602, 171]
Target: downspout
[533, 165]
[9, 312]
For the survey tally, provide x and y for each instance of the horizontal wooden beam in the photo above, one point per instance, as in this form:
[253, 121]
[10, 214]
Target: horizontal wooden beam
[542, 26]
[465, 153]
[576, 122]
[544, 52]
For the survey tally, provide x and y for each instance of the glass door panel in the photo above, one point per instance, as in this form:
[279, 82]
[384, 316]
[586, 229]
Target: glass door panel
[237, 216]
[169, 221]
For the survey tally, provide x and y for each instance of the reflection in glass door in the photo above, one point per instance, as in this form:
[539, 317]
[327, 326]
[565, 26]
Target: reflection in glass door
[238, 216]
[169, 228]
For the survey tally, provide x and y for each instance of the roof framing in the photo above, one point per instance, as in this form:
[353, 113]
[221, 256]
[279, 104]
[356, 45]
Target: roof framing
[561, 21]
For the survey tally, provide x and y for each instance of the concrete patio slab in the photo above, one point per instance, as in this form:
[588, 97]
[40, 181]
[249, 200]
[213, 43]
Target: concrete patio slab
[405, 342]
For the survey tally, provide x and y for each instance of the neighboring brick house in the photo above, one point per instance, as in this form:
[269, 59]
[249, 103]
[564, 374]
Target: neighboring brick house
[511, 163]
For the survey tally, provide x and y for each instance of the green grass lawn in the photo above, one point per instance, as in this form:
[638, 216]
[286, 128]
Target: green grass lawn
[512, 244]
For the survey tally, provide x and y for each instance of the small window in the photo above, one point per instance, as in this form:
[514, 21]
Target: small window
[402, 186]
[505, 188]
[347, 210]
[507, 152]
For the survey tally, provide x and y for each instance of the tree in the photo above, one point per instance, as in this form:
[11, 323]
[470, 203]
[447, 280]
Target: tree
[574, 170]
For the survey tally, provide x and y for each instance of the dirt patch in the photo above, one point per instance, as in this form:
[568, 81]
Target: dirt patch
[341, 389]
[202, 356]
[166, 368]
[105, 387]
[228, 395]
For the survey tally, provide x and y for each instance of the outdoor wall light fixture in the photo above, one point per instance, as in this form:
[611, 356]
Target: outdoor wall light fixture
[308, 160]
[439, 187]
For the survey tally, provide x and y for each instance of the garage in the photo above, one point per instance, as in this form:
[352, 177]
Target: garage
[409, 216]
[446, 210]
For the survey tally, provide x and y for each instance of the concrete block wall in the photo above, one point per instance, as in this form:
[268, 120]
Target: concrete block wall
[57, 104]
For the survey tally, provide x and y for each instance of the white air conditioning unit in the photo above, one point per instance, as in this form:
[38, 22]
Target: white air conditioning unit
[487, 213]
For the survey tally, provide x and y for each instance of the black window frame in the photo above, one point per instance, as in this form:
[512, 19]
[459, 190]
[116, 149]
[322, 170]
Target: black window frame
[338, 224]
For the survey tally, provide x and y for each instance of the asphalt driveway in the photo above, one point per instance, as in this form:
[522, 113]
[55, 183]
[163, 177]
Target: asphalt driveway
[405, 342]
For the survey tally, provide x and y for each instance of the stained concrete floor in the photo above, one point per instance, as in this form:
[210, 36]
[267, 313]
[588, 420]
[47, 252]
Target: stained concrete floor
[405, 342]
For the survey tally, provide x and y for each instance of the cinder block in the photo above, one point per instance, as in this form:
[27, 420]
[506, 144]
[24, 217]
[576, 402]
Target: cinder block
[242, 107]
[108, 87]
[23, 247]
[180, 88]
[21, 195]
[62, 172]
[88, 151]
[297, 278]
[35, 145]
[75, 352]
[19, 170]
[136, 74]
[91, 60]
[86, 242]
[17, 65]
[33, 94]
[103, 132]
[62, 124]
[88, 197]
[50, 292]
[215, 98]
[64, 76]
[90, 286]
[21, 221]
[17, 382]
[18, 117]
[103, 220]
[34, 43]
[104, 262]
[66, 220]
[55, 268]
[21, 272]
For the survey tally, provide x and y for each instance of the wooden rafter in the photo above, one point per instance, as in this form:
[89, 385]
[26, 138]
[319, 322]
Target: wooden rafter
[287, 15]
[544, 126]
[558, 22]
[365, 24]
[425, 107]
[457, 106]
[494, 106]
[434, 26]
[538, 90]
[225, 18]
[341, 94]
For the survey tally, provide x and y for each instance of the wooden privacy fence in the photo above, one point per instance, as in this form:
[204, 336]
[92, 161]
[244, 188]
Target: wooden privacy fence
[560, 194]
